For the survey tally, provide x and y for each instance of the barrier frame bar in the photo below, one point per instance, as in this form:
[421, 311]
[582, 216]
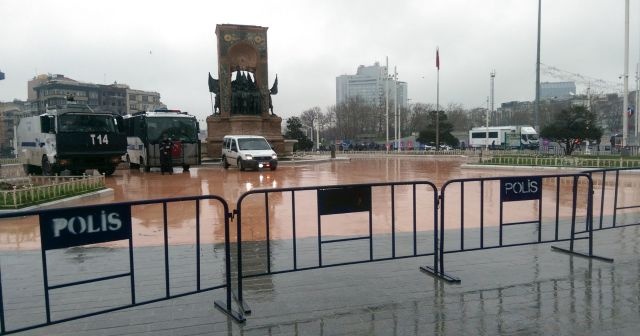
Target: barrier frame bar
[225, 306]
[439, 271]
[433, 201]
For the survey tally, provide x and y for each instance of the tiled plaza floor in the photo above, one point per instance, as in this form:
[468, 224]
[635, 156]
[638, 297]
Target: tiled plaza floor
[527, 290]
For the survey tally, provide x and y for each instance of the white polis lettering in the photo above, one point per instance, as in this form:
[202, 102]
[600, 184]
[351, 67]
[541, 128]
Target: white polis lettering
[80, 225]
[528, 187]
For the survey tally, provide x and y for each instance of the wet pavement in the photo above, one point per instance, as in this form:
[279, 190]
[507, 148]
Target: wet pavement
[527, 290]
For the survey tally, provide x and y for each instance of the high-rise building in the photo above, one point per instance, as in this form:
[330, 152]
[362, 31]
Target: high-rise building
[557, 90]
[369, 84]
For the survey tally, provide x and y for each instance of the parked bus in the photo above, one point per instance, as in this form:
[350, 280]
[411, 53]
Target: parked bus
[145, 131]
[70, 137]
[504, 137]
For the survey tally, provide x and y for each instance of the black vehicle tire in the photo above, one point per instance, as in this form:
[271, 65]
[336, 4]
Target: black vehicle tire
[273, 168]
[143, 166]
[107, 171]
[240, 165]
[77, 172]
[47, 169]
[31, 169]
[131, 164]
[225, 164]
[185, 168]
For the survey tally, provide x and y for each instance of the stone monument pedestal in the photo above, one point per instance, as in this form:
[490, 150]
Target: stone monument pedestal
[243, 104]
[267, 126]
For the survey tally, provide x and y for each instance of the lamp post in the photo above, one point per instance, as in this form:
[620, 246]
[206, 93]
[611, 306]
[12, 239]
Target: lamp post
[395, 106]
[536, 111]
[625, 101]
[317, 134]
[308, 128]
[386, 101]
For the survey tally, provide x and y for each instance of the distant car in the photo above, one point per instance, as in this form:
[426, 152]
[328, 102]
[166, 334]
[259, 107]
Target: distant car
[445, 147]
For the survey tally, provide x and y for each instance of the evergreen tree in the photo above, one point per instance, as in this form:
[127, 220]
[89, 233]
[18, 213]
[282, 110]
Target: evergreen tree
[294, 131]
[572, 126]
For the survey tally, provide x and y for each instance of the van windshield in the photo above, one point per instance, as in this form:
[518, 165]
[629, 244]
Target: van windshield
[183, 129]
[253, 144]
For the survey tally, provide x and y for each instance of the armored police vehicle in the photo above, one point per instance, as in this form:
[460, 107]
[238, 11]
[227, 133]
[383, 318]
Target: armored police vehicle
[145, 131]
[72, 137]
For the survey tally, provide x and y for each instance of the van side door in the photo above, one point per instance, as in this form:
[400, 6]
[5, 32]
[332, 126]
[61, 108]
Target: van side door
[234, 152]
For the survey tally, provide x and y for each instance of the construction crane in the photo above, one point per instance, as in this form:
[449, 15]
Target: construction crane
[591, 83]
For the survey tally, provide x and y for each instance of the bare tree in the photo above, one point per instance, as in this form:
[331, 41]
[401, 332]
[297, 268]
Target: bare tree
[419, 117]
[354, 118]
[309, 117]
[458, 117]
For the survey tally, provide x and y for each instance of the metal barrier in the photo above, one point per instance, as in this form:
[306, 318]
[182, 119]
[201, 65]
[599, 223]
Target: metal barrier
[514, 191]
[284, 230]
[330, 202]
[612, 209]
[85, 225]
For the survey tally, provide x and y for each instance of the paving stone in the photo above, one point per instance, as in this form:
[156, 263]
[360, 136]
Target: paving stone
[527, 290]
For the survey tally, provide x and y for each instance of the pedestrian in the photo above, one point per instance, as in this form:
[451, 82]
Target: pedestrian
[166, 147]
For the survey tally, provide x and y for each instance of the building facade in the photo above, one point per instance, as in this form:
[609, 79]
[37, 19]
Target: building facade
[10, 114]
[51, 90]
[140, 101]
[369, 84]
[557, 90]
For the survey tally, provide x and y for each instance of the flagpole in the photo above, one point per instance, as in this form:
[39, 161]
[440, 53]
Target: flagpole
[438, 99]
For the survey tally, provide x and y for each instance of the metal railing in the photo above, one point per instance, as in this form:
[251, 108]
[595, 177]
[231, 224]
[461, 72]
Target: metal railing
[566, 221]
[560, 161]
[317, 203]
[285, 230]
[37, 189]
[156, 211]
[608, 207]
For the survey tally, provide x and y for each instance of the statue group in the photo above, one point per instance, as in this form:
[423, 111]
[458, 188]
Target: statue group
[246, 98]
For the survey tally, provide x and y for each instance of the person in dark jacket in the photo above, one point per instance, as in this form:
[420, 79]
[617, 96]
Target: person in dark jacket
[166, 146]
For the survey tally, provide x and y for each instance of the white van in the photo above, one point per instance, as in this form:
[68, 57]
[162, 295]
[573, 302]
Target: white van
[248, 152]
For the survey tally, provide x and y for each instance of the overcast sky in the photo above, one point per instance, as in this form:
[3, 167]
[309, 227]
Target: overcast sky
[169, 46]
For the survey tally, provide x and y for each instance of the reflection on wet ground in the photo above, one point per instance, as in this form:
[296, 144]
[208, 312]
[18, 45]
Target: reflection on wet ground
[230, 184]
[525, 290]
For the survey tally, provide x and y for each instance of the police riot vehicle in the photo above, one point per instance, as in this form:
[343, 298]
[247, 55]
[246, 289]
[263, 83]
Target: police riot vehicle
[146, 130]
[504, 137]
[70, 137]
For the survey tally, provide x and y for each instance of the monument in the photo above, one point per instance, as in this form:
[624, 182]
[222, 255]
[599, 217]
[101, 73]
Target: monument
[242, 95]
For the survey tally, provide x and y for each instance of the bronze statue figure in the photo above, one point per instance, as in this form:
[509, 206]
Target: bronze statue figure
[245, 95]
[273, 91]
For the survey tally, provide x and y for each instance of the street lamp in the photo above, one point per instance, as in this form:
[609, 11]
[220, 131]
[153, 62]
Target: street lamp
[386, 102]
[395, 106]
[308, 128]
